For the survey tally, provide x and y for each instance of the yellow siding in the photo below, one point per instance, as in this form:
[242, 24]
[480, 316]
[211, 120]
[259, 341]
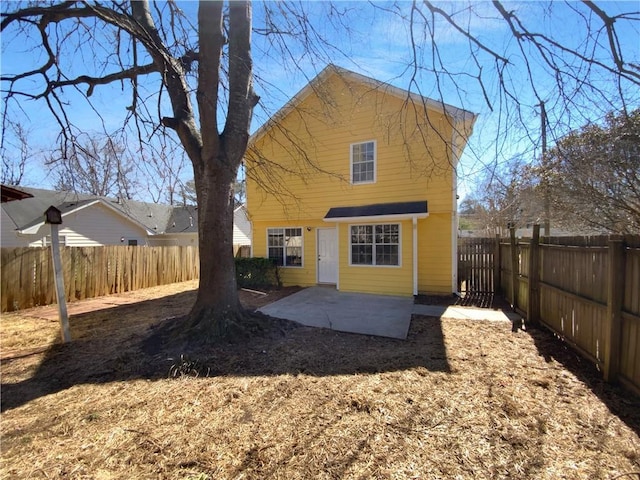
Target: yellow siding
[383, 280]
[303, 276]
[305, 188]
[300, 169]
[434, 254]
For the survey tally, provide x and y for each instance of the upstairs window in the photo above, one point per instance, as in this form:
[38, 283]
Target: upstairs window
[363, 162]
[285, 246]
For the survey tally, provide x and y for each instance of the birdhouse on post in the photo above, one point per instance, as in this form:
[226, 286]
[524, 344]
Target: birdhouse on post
[53, 217]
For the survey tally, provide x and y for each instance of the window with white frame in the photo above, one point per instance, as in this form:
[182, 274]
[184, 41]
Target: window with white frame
[285, 246]
[375, 244]
[363, 162]
[61, 238]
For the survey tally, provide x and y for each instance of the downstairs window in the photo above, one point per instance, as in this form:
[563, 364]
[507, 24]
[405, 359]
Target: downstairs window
[375, 244]
[285, 246]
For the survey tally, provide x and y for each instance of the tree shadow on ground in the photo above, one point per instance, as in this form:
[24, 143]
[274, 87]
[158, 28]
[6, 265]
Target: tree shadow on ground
[621, 402]
[122, 343]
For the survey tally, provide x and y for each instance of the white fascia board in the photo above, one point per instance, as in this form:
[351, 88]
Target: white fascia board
[457, 114]
[34, 228]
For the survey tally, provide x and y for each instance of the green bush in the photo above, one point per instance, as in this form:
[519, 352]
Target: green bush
[257, 272]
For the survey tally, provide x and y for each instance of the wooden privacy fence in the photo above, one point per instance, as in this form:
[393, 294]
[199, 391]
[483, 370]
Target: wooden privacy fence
[586, 290]
[27, 273]
[477, 266]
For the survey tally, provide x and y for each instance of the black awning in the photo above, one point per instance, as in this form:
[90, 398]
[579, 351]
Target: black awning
[378, 209]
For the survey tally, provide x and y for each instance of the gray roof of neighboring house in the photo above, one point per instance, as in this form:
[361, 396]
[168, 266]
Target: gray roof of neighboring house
[152, 216]
[183, 220]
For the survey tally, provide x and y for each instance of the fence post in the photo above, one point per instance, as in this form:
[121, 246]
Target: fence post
[497, 284]
[533, 305]
[515, 268]
[615, 297]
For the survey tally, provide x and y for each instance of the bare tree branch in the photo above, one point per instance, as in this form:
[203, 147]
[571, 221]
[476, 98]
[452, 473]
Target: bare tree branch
[464, 32]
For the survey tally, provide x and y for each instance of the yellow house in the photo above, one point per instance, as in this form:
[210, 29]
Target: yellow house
[353, 184]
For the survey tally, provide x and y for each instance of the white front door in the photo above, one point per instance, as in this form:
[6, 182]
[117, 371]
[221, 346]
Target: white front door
[327, 255]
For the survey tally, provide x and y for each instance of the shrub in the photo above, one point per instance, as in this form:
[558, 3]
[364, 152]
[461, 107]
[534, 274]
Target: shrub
[257, 272]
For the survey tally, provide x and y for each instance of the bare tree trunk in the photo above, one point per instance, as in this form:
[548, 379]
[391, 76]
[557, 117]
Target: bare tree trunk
[217, 305]
[216, 164]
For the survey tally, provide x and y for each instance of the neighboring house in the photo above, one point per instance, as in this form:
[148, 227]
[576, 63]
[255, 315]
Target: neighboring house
[241, 226]
[89, 220]
[353, 184]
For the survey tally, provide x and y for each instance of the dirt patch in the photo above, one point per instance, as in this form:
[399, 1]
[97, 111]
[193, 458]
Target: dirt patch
[35, 329]
[457, 399]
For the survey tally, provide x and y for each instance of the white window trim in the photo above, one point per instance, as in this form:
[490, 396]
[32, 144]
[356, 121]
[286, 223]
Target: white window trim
[351, 264]
[285, 252]
[46, 241]
[375, 162]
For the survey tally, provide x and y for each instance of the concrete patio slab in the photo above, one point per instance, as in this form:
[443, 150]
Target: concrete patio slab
[380, 315]
[325, 307]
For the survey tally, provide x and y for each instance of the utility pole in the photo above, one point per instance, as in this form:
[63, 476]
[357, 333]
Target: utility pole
[545, 171]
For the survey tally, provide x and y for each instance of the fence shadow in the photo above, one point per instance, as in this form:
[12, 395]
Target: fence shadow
[118, 344]
[622, 403]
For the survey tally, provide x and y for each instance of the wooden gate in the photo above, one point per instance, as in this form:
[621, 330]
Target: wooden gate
[477, 262]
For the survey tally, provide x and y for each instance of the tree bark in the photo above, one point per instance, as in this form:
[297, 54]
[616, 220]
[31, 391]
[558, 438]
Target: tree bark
[217, 305]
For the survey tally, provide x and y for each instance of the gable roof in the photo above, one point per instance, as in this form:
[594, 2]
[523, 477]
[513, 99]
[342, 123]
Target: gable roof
[183, 220]
[28, 214]
[457, 114]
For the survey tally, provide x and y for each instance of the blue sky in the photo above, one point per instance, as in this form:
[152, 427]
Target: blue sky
[378, 44]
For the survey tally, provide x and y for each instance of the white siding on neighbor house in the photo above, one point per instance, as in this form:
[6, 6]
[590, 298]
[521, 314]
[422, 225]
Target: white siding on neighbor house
[88, 227]
[98, 225]
[241, 227]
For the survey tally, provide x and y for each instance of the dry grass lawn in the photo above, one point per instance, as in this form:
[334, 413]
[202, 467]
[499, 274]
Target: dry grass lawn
[456, 400]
